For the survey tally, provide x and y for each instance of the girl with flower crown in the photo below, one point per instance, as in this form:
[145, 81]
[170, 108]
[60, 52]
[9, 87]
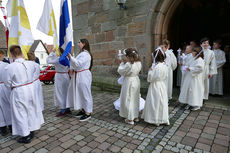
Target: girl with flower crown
[130, 90]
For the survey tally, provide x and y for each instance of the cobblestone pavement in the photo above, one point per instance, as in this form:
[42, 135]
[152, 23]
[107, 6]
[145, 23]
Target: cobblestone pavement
[206, 130]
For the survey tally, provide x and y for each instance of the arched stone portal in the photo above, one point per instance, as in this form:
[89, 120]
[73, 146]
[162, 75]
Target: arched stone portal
[185, 20]
[161, 18]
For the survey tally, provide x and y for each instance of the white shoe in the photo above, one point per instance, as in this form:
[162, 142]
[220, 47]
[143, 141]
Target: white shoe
[195, 108]
[187, 107]
[129, 122]
[136, 120]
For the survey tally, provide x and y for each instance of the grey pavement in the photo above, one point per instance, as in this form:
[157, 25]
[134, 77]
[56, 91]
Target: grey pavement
[203, 131]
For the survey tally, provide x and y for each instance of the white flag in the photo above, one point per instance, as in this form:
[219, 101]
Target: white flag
[47, 23]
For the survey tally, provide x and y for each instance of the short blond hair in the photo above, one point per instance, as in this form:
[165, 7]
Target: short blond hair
[31, 56]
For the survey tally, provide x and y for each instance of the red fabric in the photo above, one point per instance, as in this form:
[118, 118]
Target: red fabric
[79, 71]
[24, 84]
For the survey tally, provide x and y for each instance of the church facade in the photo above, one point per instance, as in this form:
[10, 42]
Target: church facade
[143, 25]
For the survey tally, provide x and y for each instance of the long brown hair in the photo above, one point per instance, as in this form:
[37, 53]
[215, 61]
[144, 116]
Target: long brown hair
[160, 56]
[199, 52]
[87, 47]
[132, 54]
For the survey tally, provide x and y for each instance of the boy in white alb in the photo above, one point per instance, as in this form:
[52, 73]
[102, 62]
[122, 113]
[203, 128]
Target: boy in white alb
[26, 114]
[61, 83]
[216, 82]
[171, 62]
[5, 112]
[210, 65]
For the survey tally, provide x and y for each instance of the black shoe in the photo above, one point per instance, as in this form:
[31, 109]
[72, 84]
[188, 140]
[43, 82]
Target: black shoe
[4, 131]
[80, 114]
[10, 128]
[26, 139]
[85, 117]
[31, 134]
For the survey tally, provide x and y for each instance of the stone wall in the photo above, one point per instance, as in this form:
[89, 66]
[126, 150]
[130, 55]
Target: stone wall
[2, 36]
[109, 29]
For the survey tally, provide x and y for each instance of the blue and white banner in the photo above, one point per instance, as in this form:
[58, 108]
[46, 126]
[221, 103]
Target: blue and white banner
[65, 33]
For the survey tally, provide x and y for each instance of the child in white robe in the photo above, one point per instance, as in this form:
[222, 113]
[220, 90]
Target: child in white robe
[117, 102]
[156, 106]
[5, 110]
[79, 91]
[26, 114]
[37, 82]
[216, 82]
[61, 83]
[185, 61]
[210, 65]
[130, 90]
[192, 89]
[171, 62]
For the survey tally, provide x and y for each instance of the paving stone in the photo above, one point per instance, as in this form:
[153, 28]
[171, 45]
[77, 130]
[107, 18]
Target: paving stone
[5, 150]
[176, 139]
[101, 138]
[189, 141]
[112, 139]
[126, 150]
[68, 151]
[180, 133]
[30, 150]
[221, 142]
[223, 131]
[209, 130]
[203, 146]
[218, 148]
[85, 149]
[189, 148]
[93, 144]
[79, 137]
[104, 146]
[183, 151]
[57, 150]
[205, 141]
[42, 150]
[68, 143]
[114, 148]
[174, 149]
[120, 143]
[207, 136]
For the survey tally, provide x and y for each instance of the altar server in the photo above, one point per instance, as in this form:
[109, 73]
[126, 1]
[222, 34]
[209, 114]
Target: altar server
[192, 89]
[61, 83]
[210, 65]
[156, 106]
[171, 62]
[79, 91]
[216, 82]
[5, 112]
[37, 82]
[26, 115]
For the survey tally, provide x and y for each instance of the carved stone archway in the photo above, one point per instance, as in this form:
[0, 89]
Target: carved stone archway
[161, 17]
